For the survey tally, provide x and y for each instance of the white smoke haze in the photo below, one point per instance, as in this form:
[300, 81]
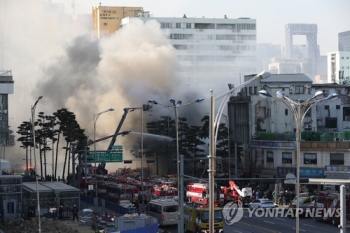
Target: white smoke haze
[52, 56]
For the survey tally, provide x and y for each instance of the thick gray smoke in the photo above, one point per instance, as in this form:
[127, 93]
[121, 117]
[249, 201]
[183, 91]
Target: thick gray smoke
[53, 56]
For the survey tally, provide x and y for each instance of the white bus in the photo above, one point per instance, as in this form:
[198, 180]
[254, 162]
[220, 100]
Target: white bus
[165, 210]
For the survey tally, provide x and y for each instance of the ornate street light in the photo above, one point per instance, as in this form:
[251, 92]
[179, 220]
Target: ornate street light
[213, 132]
[95, 119]
[299, 110]
[36, 177]
[180, 175]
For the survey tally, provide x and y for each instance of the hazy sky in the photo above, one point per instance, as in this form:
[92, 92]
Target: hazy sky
[50, 56]
[331, 16]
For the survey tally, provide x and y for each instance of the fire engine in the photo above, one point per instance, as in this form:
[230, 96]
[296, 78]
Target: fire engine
[238, 195]
[196, 218]
[199, 193]
[118, 192]
[164, 192]
[327, 207]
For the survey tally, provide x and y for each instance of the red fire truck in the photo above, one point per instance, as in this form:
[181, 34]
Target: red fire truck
[327, 207]
[165, 192]
[118, 192]
[198, 193]
[235, 194]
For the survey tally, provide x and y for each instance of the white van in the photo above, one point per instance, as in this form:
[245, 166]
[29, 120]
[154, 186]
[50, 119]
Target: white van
[165, 210]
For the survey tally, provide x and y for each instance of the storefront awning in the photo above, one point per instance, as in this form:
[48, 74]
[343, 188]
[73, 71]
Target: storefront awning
[329, 181]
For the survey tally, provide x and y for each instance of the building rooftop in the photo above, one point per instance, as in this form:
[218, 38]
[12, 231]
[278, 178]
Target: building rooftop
[49, 186]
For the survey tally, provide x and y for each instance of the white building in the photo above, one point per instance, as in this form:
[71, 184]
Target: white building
[264, 129]
[338, 64]
[211, 52]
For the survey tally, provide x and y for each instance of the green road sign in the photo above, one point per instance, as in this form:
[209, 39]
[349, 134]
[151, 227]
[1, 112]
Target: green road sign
[105, 157]
[117, 147]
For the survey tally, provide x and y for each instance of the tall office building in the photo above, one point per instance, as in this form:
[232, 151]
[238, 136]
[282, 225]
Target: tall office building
[311, 52]
[344, 41]
[6, 88]
[211, 52]
[338, 67]
[106, 19]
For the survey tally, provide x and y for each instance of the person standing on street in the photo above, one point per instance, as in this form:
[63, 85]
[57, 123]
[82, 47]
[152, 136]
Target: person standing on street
[75, 213]
[2, 216]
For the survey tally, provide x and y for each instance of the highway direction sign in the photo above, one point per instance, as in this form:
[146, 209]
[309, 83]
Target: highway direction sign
[105, 157]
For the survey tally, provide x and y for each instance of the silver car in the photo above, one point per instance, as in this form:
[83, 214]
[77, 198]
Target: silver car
[263, 203]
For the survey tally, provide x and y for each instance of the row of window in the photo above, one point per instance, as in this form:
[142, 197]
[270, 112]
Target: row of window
[215, 58]
[107, 18]
[309, 158]
[235, 48]
[213, 69]
[238, 26]
[239, 38]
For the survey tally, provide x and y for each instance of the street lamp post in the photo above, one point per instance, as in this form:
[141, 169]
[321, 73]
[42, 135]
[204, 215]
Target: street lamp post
[95, 119]
[228, 144]
[180, 175]
[36, 177]
[213, 131]
[299, 110]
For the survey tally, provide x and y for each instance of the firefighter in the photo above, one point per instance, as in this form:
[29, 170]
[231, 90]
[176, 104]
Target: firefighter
[75, 213]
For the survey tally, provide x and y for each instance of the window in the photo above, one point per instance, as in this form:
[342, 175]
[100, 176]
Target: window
[226, 26]
[299, 89]
[250, 90]
[255, 90]
[269, 157]
[204, 26]
[166, 25]
[286, 112]
[310, 158]
[287, 157]
[178, 25]
[172, 208]
[225, 37]
[188, 25]
[336, 159]
[155, 208]
[346, 113]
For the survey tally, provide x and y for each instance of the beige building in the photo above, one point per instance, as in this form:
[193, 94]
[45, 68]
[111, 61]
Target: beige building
[106, 19]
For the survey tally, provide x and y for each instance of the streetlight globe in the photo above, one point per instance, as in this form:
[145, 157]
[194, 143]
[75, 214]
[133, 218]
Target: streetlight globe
[280, 94]
[264, 74]
[332, 97]
[111, 109]
[172, 101]
[199, 100]
[179, 102]
[318, 94]
[264, 94]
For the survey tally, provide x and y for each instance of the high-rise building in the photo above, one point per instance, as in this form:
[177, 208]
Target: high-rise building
[106, 19]
[338, 67]
[311, 52]
[6, 88]
[344, 41]
[211, 52]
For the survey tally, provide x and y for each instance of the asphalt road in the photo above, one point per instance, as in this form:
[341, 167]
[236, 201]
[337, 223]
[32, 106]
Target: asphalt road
[273, 225]
[278, 225]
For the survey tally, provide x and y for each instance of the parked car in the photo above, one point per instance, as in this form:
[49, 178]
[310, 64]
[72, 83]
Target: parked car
[305, 203]
[262, 203]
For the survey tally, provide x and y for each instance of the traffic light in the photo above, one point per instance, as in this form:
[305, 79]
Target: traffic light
[127, 161]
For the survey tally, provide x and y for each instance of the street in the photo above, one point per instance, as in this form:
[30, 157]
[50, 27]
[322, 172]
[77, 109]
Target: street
[275, 225]
[272, 225]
